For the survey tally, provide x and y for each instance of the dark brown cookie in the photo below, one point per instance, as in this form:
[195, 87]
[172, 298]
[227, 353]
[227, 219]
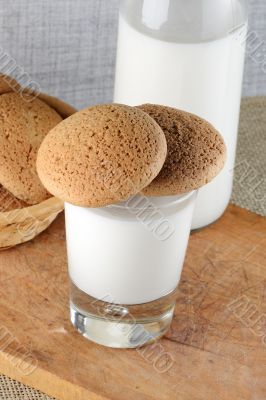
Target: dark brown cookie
[196, 152]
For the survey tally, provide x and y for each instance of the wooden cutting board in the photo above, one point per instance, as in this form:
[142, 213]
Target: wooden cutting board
[216, 348]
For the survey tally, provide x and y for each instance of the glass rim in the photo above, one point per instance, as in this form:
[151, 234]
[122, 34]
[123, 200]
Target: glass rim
[150, 202]
[173, 201]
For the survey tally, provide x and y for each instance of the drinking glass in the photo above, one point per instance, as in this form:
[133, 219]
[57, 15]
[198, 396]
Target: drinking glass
[125, 262]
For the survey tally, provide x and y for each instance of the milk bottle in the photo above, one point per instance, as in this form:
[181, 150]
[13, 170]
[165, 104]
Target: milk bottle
[187, 54]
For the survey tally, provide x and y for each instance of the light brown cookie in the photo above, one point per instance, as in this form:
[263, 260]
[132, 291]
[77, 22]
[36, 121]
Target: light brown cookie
[23, 126]
[196, 152]
[8, 84]
[101, 155]
[9, 202]
[62, 108]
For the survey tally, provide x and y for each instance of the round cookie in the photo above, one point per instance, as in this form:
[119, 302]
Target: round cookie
[196, 151]
[101, 155]
[23, 126]
[8, 84]
[62, 108]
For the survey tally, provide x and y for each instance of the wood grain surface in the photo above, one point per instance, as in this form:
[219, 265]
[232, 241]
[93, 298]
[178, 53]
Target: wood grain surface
[216, 348]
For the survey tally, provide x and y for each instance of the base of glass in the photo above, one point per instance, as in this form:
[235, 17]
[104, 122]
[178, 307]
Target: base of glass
[120, 326]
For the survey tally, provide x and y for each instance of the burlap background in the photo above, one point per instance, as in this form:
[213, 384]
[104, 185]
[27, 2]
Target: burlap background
[249, 192]
[250, 170]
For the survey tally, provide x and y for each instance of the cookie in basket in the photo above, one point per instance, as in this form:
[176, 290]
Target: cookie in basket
[23, 126]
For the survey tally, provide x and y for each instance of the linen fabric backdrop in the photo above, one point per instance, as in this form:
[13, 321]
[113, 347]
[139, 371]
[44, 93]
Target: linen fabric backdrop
[69, 47]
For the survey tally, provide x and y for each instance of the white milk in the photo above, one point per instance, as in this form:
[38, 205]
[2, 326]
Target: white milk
[126, 255]
[202, 78]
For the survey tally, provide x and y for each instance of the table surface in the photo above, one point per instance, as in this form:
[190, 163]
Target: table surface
[216, 345]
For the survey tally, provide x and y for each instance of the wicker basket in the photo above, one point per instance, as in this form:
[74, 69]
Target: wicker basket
[20, 225]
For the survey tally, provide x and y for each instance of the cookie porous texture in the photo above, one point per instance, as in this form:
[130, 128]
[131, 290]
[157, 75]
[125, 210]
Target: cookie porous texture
[196, 152]
[23, 126]
[101, 155]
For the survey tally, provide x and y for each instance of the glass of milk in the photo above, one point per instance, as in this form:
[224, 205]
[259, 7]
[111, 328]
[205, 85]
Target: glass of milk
[125, 263]
[187, 54]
